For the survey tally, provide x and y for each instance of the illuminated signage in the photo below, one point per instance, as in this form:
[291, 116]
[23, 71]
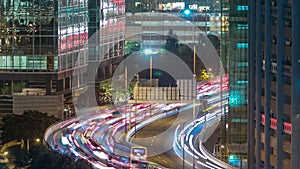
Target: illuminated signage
[172, 6]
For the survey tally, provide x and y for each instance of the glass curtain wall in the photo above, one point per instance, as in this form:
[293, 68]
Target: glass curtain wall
[72, 33]
[27, 36]
[234, 123]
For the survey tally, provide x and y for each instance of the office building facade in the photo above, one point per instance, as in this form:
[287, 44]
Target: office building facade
[151, 29]
[234, 46]
[274, 87]
[45, 46]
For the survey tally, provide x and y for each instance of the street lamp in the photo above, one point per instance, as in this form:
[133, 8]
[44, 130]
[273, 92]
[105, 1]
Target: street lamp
[187, 12]
[194, 91]
[37, 140]
[150, 80]
[182, 143]
[150, 53]
[135, 98]
[194, 119]
[126, 95]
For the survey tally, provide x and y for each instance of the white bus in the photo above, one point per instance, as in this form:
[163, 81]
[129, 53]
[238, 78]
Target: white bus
[138, 157]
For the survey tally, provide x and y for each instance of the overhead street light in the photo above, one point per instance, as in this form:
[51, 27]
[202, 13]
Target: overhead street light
[187, 12]
[150, 52]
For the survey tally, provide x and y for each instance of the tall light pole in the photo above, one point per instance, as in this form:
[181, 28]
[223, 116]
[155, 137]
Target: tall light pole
[183, 150]
[150, 53]
[150, 72]
[135, 112]
[150, 80]
[194, 99]
[194, 90]
[126, 95]
[205, 17]
[28, 144]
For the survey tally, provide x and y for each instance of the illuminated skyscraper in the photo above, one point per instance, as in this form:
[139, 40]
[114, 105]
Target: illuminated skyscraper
[44, 47]
[274, 92]
[234, 48]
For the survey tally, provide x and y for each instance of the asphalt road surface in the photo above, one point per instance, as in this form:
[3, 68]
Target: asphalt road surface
[159, 142]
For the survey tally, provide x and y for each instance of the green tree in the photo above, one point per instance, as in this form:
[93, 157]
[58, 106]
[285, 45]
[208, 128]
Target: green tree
[29, 125]
[104, 93]
[49, 159]
[21, 156]
[3, 166]
[183, 51]
[171, 41]
[203, 75]
[131, 46]
[19, 86]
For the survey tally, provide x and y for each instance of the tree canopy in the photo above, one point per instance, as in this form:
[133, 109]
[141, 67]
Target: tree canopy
[49, 159]
[29, 125]
[131, 46]
[204, 75]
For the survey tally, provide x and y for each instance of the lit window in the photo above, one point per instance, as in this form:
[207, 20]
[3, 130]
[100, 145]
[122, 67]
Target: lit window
[242, 82]
[242, 64]
[242, 8]
[242, 26]
[242, 45]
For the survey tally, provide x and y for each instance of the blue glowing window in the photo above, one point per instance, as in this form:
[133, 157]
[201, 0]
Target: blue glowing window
[239, 120]
[242, 26]
[242, 45]
[242, 8]
[242, 64]
[242, 82]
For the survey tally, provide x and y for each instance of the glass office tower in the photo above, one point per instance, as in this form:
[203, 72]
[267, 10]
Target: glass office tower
[42, 37]
[106, 31]
[274, 55]
[44, 44]
[233, 137]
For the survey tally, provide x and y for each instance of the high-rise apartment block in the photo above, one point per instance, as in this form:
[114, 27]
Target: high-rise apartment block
[274, 88]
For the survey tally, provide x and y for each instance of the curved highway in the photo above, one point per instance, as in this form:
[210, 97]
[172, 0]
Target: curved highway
[98, 136]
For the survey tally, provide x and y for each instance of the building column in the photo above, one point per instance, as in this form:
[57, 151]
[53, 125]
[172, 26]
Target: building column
[295, 84]
[280, 155]
[111, 69]
[48, 87]
[258, 78]
[251, 87]
[78, 80]
[68, 83]
[60, 85]
[267, 79]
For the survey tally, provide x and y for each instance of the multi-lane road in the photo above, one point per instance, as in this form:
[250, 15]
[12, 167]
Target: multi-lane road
[164, 139]
[160, 149]
[99, 136]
